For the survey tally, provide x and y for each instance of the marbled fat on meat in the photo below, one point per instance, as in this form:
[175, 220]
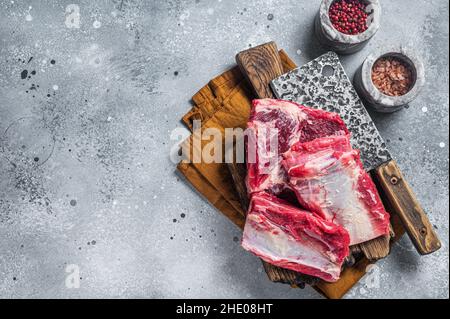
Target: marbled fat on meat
[328, 178]
[293, 123]
[291, 238]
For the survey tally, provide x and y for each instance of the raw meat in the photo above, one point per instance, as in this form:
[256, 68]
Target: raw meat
[292, 123]
[328, 178]
[291, 238]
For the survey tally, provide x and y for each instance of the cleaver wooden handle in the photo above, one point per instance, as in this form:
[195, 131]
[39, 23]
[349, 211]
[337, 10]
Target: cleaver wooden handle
[406, 206]
[260, 65]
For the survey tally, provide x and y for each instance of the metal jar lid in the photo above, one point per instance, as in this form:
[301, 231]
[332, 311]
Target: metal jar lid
[341, 42]
[374, 97]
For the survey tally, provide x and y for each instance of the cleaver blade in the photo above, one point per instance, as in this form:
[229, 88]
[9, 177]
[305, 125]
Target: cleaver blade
[323, 83]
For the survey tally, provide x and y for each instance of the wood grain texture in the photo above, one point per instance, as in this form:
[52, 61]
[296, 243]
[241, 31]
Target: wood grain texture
[405, 205]
[286, 276]
[377, 248]
[260, 65]
[238, 171]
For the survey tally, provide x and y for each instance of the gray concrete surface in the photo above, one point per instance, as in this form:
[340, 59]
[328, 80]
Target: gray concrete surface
[85, 177]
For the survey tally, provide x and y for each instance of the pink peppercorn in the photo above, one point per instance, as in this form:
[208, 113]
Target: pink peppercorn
[348, 16]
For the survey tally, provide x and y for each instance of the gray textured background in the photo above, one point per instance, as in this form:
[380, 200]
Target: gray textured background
[85, 175]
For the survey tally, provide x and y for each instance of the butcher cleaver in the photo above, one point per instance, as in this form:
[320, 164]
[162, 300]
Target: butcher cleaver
[323, 83]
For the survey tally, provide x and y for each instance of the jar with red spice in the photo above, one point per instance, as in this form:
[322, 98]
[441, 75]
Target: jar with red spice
[389, 80]
[346, 26]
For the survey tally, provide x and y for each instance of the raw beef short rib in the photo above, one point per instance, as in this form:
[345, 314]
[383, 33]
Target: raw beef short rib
[292, 123]
[328, 178]
[291, 238]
